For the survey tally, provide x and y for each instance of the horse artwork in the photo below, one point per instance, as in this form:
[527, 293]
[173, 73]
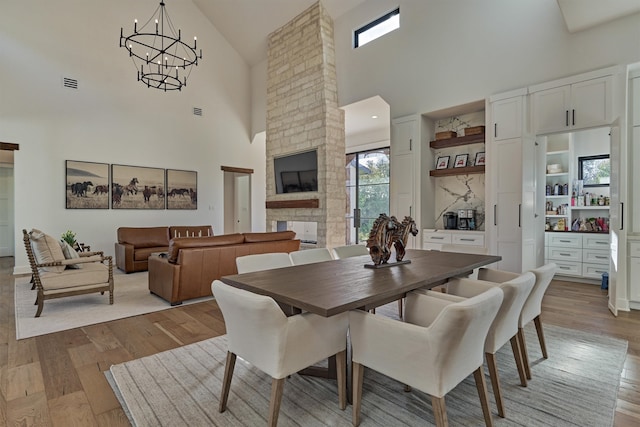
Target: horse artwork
[87, 185]
[137, 187]
[387, 232]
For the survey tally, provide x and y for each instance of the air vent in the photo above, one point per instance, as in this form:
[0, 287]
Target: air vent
[197, 111]
[69, 83]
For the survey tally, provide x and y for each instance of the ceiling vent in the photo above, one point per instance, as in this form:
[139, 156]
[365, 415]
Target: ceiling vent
[69, 83]
[197, 111]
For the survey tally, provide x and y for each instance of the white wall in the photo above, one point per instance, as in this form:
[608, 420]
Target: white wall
[114, 119]
[448, 53]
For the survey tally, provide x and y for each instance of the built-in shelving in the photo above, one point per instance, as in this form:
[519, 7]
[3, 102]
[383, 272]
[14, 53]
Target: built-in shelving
[457, 142]
[468, 170]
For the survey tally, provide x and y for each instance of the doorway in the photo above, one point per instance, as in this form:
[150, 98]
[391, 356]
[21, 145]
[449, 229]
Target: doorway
[237, 200]
[7, 243]
[367, 191]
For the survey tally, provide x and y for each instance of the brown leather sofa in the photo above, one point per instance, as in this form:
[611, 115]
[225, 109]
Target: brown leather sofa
[191, 264]
[135, 244]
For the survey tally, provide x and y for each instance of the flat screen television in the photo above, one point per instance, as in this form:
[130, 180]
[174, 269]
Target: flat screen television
[296, 172]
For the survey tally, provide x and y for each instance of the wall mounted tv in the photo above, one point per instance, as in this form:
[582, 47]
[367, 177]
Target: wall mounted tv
[296, 172]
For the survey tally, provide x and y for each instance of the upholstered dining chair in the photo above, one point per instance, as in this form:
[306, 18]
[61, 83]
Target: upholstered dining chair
[259, 262]
[505, 326]
[260, 333]
[309, 256]
[349, 251]
[532, 307]
[442, 343]
[58, 272]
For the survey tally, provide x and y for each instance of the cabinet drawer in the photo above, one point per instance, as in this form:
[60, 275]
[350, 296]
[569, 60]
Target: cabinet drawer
[595, 256]
[634, 249]
[436, 237]
[595, 242]
[569, 268]
[470, 239]
[565, 240]
[565, 254]
[594, 271]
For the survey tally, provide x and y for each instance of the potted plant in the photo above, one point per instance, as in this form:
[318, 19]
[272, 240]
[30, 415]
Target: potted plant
[69, 237]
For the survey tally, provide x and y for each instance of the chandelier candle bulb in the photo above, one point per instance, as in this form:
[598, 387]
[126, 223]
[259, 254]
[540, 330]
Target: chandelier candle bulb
[135, 25]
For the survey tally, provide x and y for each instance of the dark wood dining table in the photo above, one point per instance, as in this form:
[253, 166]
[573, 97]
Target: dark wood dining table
[332, 287]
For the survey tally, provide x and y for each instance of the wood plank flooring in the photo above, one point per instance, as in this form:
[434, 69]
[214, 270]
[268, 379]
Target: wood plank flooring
[58, 380]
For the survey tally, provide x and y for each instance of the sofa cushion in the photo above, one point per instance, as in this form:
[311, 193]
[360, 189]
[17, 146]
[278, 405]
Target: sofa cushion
[144, 237]
[46, 249]
[201, 242]
[69, 253]
[190, 231]
[269, 236]
[91, 274]
[143, 254]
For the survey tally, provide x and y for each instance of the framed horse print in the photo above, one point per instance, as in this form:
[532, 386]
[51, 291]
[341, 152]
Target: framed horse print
[87, 185]
[137, 187]
[182, 189]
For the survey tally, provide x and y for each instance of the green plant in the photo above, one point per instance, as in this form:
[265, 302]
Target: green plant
[69, 237]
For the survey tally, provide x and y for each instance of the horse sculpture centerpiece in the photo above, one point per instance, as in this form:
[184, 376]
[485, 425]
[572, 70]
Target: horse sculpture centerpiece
[386, 232]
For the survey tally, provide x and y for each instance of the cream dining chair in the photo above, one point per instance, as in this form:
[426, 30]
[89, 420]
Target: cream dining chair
[260, 333]
[442, 344]
[259, 262]
[505, 326]
[310, 256]
[532, 307]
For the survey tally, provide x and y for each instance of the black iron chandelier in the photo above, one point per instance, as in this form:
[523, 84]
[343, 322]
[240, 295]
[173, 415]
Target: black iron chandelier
[158, 55]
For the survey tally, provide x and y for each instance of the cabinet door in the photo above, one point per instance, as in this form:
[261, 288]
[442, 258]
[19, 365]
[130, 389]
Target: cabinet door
[402, 188]
[635, 101]
[551, 110]
[404, 136]
[507, 118]
[591, 103]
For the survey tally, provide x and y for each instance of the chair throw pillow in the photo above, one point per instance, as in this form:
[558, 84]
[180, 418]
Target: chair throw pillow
[69, 253]
[46, 249]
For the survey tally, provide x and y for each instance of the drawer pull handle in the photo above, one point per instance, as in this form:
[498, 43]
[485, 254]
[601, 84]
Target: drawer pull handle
[600, 271]
[602, 243]
[565, 254]
[564, 268]
[436, 238]
[565, 241]
[467, 240]
[601, 257]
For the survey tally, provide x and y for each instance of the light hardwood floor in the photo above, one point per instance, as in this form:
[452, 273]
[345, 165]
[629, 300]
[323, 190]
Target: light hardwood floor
[58, 380]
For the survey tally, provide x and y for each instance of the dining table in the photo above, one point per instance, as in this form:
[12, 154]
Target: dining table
[331, 287]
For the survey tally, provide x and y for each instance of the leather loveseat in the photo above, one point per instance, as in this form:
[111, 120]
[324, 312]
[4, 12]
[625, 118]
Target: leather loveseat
[135, 244]
[191, 264]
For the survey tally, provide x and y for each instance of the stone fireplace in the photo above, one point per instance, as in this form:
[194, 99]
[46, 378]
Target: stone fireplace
[302, 115]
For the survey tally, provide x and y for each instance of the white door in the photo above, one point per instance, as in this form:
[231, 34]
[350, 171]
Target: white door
[617, 230]
[6, 210]
[242, 203]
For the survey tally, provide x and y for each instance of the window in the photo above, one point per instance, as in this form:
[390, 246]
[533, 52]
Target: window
[594, 171]
[378, 28]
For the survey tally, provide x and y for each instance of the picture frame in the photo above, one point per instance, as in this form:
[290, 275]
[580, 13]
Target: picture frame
[137, 187]
[442, 162]
[86, 185]
[461, 161]
[479, 159]
[182, 189]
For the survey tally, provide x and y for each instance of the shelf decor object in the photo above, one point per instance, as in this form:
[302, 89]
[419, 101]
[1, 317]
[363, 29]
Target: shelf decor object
[475, 130]
[442, 162]
[159, 55]
[479, 159]
[446, 134]
[461, 161]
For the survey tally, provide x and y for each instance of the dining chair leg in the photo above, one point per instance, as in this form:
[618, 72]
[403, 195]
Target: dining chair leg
[495, 382]
[543, 345]
[524, 352]
[277, 387]
[358, 378]
[226, 380]
[400, 308]
[481, 385]
[341, 374]
[439, 411]
[517, 354]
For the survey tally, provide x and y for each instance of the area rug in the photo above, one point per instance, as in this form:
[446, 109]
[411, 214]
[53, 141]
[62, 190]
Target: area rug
[576, 386]
[131, 298]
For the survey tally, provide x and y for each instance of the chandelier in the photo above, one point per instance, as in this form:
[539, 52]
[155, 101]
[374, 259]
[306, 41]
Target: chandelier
[162, 59]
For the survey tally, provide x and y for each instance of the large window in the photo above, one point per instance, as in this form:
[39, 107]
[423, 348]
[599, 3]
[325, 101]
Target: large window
[594, 171]
[378, 28]
[367, 192]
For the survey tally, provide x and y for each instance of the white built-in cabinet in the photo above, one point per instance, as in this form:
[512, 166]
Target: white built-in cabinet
[511, 183]
[405, 170]
[579, 105]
